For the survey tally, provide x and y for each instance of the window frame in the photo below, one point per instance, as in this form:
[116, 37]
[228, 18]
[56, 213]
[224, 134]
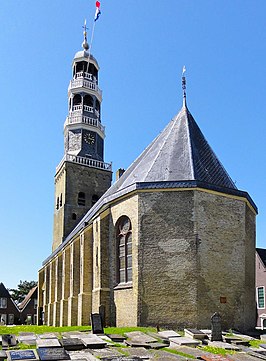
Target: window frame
[122, 252]
[258, 299]
[1, 302]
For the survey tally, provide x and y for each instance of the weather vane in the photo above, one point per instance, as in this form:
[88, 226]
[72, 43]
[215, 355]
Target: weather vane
[184, 85]
[85, 44]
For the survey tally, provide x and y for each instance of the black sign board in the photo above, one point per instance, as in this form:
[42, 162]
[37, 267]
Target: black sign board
[22, 355]
[52, 354]
[96, 323]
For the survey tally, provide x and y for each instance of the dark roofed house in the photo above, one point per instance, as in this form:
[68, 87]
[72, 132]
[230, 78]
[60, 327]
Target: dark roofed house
[9, 313]
[260, 287]
[28, 307]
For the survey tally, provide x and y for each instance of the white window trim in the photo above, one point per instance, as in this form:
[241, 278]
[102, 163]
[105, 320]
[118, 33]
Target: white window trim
[257, 298]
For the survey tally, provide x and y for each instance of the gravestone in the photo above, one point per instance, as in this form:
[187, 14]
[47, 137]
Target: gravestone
[72, 344]
[116, 337]
[194, 333]
[141, 337]
[52, 354]
[48, 342]
[215, 358]
[184, 341]
[216, 327]
[93, 341]
[22, 355]
[3, 355]
[169, 333]
[96, 323]
[8, 341]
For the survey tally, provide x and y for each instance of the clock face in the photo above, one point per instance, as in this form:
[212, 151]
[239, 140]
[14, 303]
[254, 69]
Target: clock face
[89, 138]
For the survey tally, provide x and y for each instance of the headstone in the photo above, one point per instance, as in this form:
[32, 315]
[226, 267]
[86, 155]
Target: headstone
[137, 352]
[116, 338]
[72, 344]
[49, 335]
[216, 327]
[168, 334]
[184, 341]
[22, 355]
[106, 352]
[215, 358]
[194, 333]
[8, 341]
[27, 339]
[133, 343]
[27, 334]
[137, 336]
[3, 355]
[96, 323]
[52, 354]
[224, 345]
[47, 342]
[92, 341]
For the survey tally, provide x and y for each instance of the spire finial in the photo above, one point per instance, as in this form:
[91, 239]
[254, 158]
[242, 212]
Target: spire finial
[85, 44]
[184, 86]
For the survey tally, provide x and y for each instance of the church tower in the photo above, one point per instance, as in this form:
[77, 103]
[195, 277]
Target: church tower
[82, 176]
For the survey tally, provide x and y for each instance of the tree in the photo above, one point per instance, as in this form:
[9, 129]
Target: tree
[23, 289]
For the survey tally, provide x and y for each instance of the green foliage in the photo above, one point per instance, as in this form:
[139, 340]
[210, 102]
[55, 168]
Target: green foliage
[256, 343]
[41, 329]
[23, 289]
[175, 352]
[216, 350]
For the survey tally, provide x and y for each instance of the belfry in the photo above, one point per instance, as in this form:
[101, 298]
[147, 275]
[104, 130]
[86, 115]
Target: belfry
[82, 176]
[170, 243]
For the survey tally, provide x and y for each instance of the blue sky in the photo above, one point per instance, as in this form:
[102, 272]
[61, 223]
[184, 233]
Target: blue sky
[141, 47]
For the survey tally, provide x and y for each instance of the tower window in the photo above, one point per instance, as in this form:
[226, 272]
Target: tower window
[74, 216]
[124, 250]
[94, 199]
[61, 200]
[81, 199]
[57, 203]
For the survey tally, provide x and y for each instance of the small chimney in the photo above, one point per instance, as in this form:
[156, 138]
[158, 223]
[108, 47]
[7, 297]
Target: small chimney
[119, 173]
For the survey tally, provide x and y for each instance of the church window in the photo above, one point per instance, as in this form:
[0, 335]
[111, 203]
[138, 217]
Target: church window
[61, 200]
[260, 297]
[94, 199]
[124, 250]
[74, 216]
[81, 199]
[88, 100]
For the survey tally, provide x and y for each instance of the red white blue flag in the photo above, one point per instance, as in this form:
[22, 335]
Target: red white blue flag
[98, 11]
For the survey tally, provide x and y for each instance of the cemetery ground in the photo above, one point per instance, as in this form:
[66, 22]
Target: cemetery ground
[128, 343]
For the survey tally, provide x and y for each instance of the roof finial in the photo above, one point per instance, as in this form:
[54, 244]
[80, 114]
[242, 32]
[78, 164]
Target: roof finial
[184, 86]
[85, 44]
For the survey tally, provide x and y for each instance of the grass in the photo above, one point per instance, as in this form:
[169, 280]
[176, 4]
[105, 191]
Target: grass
[217, 350]
[256, 343]
[175, 352]
[40, 329]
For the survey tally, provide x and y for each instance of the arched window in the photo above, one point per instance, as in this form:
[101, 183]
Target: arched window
[124, 250]
[94, 199]
[81, 199]
[74, 216]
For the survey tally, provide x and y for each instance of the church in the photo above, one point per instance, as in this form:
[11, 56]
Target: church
[169, 243]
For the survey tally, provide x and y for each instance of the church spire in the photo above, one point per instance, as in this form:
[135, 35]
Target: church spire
[184, 87]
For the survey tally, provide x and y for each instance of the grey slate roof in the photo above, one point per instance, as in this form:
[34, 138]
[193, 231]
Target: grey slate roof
[262, 253]
[179, 157]
[179, 153]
